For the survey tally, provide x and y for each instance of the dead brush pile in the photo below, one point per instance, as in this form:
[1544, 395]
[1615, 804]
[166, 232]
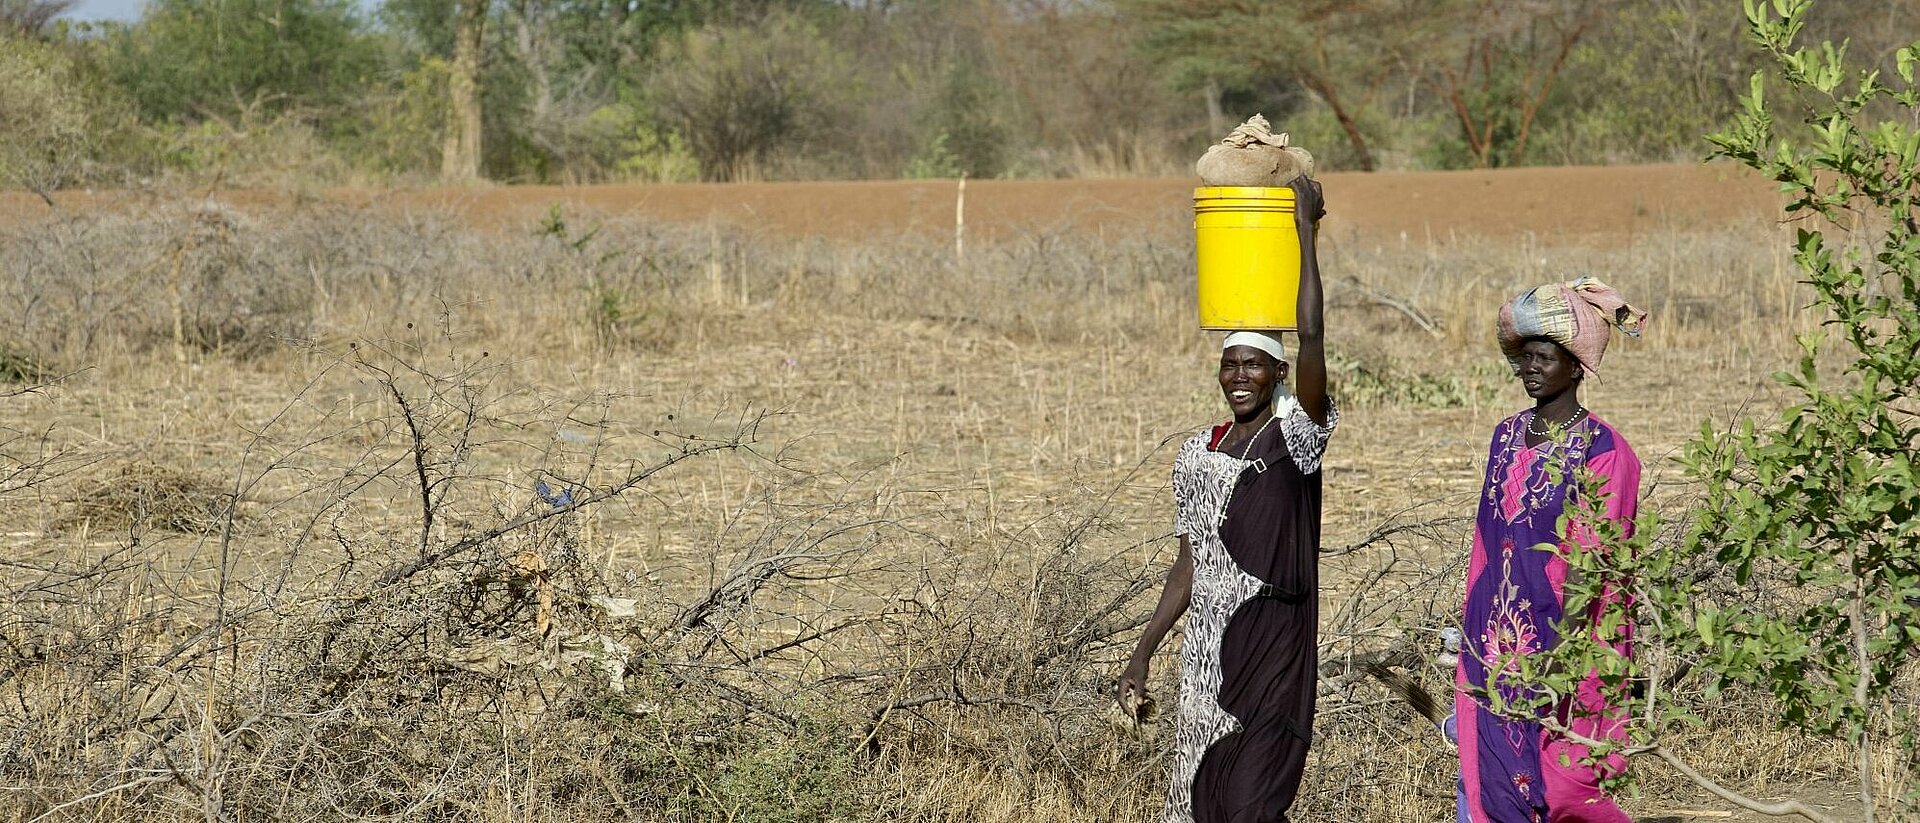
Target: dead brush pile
[435, 611]
[141, 496]
[189, 278]
[474, 663]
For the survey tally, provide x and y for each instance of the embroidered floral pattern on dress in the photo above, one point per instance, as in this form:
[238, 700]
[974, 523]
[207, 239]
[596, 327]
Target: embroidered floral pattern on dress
[1534, 474]
[1509, 635]
[1513, 603]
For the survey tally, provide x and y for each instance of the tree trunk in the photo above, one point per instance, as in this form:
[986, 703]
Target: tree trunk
[1216, 119]
[460, 151]
[1863, 672]
[1531, 106]
[1453, 87]
[531, 41]
[1362, 155]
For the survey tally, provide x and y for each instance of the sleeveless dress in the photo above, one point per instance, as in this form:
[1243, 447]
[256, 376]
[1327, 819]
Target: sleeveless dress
[1249, 662]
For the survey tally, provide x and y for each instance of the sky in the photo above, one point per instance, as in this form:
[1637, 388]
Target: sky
[125, 10]
[106, 10]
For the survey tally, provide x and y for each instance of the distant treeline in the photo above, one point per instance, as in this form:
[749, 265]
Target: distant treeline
[267, 92]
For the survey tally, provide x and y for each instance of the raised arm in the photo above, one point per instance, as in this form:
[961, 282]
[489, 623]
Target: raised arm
[1310, 372]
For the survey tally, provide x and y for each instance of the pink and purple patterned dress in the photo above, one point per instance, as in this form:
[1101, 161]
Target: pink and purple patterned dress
[1512, 771]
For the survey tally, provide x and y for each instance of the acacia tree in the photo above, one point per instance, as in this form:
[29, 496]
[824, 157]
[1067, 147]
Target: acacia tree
[188, 60]
[1500, 61]
[1799, 572]
[1337, 50]
[31, 18]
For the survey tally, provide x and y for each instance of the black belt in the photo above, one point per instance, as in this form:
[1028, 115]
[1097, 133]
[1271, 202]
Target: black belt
[1268, 591]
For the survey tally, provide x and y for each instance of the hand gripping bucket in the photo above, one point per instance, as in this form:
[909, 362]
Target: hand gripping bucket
[1247, 257]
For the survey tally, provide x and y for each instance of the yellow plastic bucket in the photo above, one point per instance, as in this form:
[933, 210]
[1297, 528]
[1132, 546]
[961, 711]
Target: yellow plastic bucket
[1248, 257]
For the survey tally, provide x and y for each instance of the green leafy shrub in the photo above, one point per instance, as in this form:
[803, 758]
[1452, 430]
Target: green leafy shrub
[1379, 381]
[194, 59]
[634, 146]
[968, 137]
[935, 161]
[1798, 574]
[46, 122]
[746, 98]
[401, 128]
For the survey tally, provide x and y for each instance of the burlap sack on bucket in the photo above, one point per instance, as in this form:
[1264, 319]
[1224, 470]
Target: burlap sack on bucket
[1252, 155]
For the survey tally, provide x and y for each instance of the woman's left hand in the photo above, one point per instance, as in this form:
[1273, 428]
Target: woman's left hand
[1308, 202]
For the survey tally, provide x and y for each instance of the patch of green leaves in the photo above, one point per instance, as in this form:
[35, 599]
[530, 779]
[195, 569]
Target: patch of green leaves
[1380, 381]
[1798, 572]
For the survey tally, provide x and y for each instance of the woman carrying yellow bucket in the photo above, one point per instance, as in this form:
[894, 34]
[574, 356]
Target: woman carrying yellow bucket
[1247, 495]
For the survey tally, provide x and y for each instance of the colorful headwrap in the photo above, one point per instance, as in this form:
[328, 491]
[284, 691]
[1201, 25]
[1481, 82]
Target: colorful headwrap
[1264, 342]
[1580, 315]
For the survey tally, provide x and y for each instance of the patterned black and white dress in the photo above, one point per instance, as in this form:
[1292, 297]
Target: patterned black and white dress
[1248, 664]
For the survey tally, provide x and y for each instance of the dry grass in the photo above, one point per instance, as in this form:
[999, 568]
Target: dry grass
[139, 497]
[907, 516]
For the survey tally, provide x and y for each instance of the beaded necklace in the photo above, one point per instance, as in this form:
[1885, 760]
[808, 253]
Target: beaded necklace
[1554, 430]
[1244, 451]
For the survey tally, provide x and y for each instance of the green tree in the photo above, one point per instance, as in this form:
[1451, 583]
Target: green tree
[741, 96]
[1496, 63]
[187, 60]
[31, 18]
[46, 123]
[1337, 50]
[461, 141]
[964, 125]
[1799, 571]
[1645, 84]
[545, 78]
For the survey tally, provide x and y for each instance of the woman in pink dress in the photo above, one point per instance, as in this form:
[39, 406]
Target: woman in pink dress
[1512, 770]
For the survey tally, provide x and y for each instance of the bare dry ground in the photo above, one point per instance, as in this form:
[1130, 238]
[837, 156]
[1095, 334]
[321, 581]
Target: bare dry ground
[970, 454]
[1547, 205]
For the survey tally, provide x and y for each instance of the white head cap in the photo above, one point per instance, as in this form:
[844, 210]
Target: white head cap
[1253, 339]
